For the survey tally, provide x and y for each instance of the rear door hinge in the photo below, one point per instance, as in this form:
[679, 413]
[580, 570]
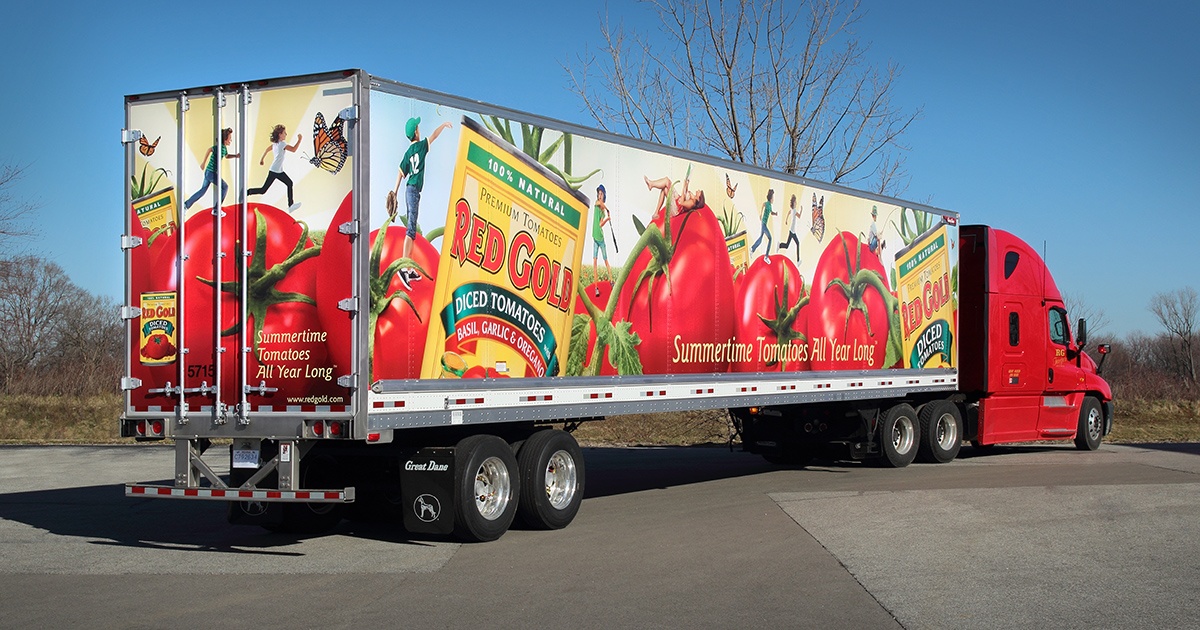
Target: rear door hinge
[129, 242]
[129, 382]
[130, 312]
[349, 381]
[130, 135]
[350, 305]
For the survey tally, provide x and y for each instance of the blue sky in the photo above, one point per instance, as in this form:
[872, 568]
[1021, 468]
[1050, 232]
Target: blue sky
[1072, 123]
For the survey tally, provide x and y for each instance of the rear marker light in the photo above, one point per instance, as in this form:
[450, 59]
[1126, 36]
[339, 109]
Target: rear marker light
[373, 437]
[318, 428]
[335, 429]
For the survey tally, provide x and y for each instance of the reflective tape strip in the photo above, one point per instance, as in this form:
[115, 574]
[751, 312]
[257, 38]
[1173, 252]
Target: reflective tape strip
[169, 492]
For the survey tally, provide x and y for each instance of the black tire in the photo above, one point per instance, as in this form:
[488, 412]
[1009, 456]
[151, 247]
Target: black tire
[552, 476]
[486, 485]
[1091, 425]
[899, 436]
[941, 432]
[316, 472]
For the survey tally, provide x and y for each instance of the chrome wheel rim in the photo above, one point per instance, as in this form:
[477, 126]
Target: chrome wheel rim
[1095, 424]
[946, 432]
[903, 434]
[493, 488]
[561, 480]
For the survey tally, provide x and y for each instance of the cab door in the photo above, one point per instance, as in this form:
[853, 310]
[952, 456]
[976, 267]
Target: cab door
[1060, 401]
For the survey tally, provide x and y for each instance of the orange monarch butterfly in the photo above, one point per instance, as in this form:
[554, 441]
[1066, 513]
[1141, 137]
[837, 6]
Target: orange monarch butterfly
[729, 189]
[818, 218]
[329, 145]
[147, 148]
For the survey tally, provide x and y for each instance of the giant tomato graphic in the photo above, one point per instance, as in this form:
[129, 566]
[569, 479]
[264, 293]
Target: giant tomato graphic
[677, 297]
[849, 319]
[283, 336]
[399, 314]
[770, 302]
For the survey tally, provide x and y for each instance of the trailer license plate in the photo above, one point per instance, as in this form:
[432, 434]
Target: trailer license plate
[245, 458]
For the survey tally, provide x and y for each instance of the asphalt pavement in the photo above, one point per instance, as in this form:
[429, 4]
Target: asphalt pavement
[1016, 537]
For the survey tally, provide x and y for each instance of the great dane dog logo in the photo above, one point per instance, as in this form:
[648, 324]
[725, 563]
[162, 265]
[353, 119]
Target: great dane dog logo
[427, 508]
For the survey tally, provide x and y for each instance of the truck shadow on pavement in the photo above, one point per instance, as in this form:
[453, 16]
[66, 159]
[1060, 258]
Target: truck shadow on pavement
[103, 515]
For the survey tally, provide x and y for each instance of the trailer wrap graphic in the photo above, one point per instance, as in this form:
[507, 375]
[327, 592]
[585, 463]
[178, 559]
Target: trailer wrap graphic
[230, 195]
[506, 284]
[492, 247]
[927, 311]
[638, 262]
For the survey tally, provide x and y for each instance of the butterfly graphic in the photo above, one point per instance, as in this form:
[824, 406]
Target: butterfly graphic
[818, 218]
[147, 148]
[329, 145]
[730, 189]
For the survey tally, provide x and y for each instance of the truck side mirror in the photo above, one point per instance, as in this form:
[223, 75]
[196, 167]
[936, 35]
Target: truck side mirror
[1081, 333]
[1103, 349]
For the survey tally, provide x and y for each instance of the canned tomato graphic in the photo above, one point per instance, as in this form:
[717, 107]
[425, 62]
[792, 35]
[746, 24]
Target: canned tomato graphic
[156, 211]
[505, 289]
[926, 300]
[159, 338]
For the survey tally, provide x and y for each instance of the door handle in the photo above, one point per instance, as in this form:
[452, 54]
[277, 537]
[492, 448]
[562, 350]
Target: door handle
[1050, 376]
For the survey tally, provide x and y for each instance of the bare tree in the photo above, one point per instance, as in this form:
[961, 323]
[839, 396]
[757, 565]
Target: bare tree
[783, 85]
[87, 355]
[1177, 311]
[13, 212]
[1080, 308]
[34, 293]
[58, 338]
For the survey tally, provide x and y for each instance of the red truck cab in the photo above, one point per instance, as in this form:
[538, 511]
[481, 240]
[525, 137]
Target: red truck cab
[1031, 378]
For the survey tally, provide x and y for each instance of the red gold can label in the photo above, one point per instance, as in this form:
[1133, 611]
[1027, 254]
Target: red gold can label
[926, 300]
[505, 291]
[159, 328]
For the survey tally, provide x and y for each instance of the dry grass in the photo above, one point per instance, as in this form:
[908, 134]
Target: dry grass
[1156, 421]
[683, 428]
[27, 419]
[30, 419]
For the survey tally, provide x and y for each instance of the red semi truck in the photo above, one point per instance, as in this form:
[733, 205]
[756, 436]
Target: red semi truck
[398, 312]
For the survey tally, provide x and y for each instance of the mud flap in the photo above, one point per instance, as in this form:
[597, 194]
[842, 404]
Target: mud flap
[427, 491]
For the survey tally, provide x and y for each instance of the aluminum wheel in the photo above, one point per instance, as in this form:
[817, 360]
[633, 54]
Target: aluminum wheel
[904, 434]
[946, 432]
[561, 480]
[493, 488]
[1095, 424]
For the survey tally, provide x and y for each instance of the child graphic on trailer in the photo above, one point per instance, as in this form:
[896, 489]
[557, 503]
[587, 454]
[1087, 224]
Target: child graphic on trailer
[281, 148]
[412, 168]
[600, 217]
[792, 217]
[210, 168]
[766, 215]
[685, 201]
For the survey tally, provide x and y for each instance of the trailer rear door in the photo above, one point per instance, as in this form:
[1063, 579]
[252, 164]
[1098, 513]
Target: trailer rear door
[233, 308]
